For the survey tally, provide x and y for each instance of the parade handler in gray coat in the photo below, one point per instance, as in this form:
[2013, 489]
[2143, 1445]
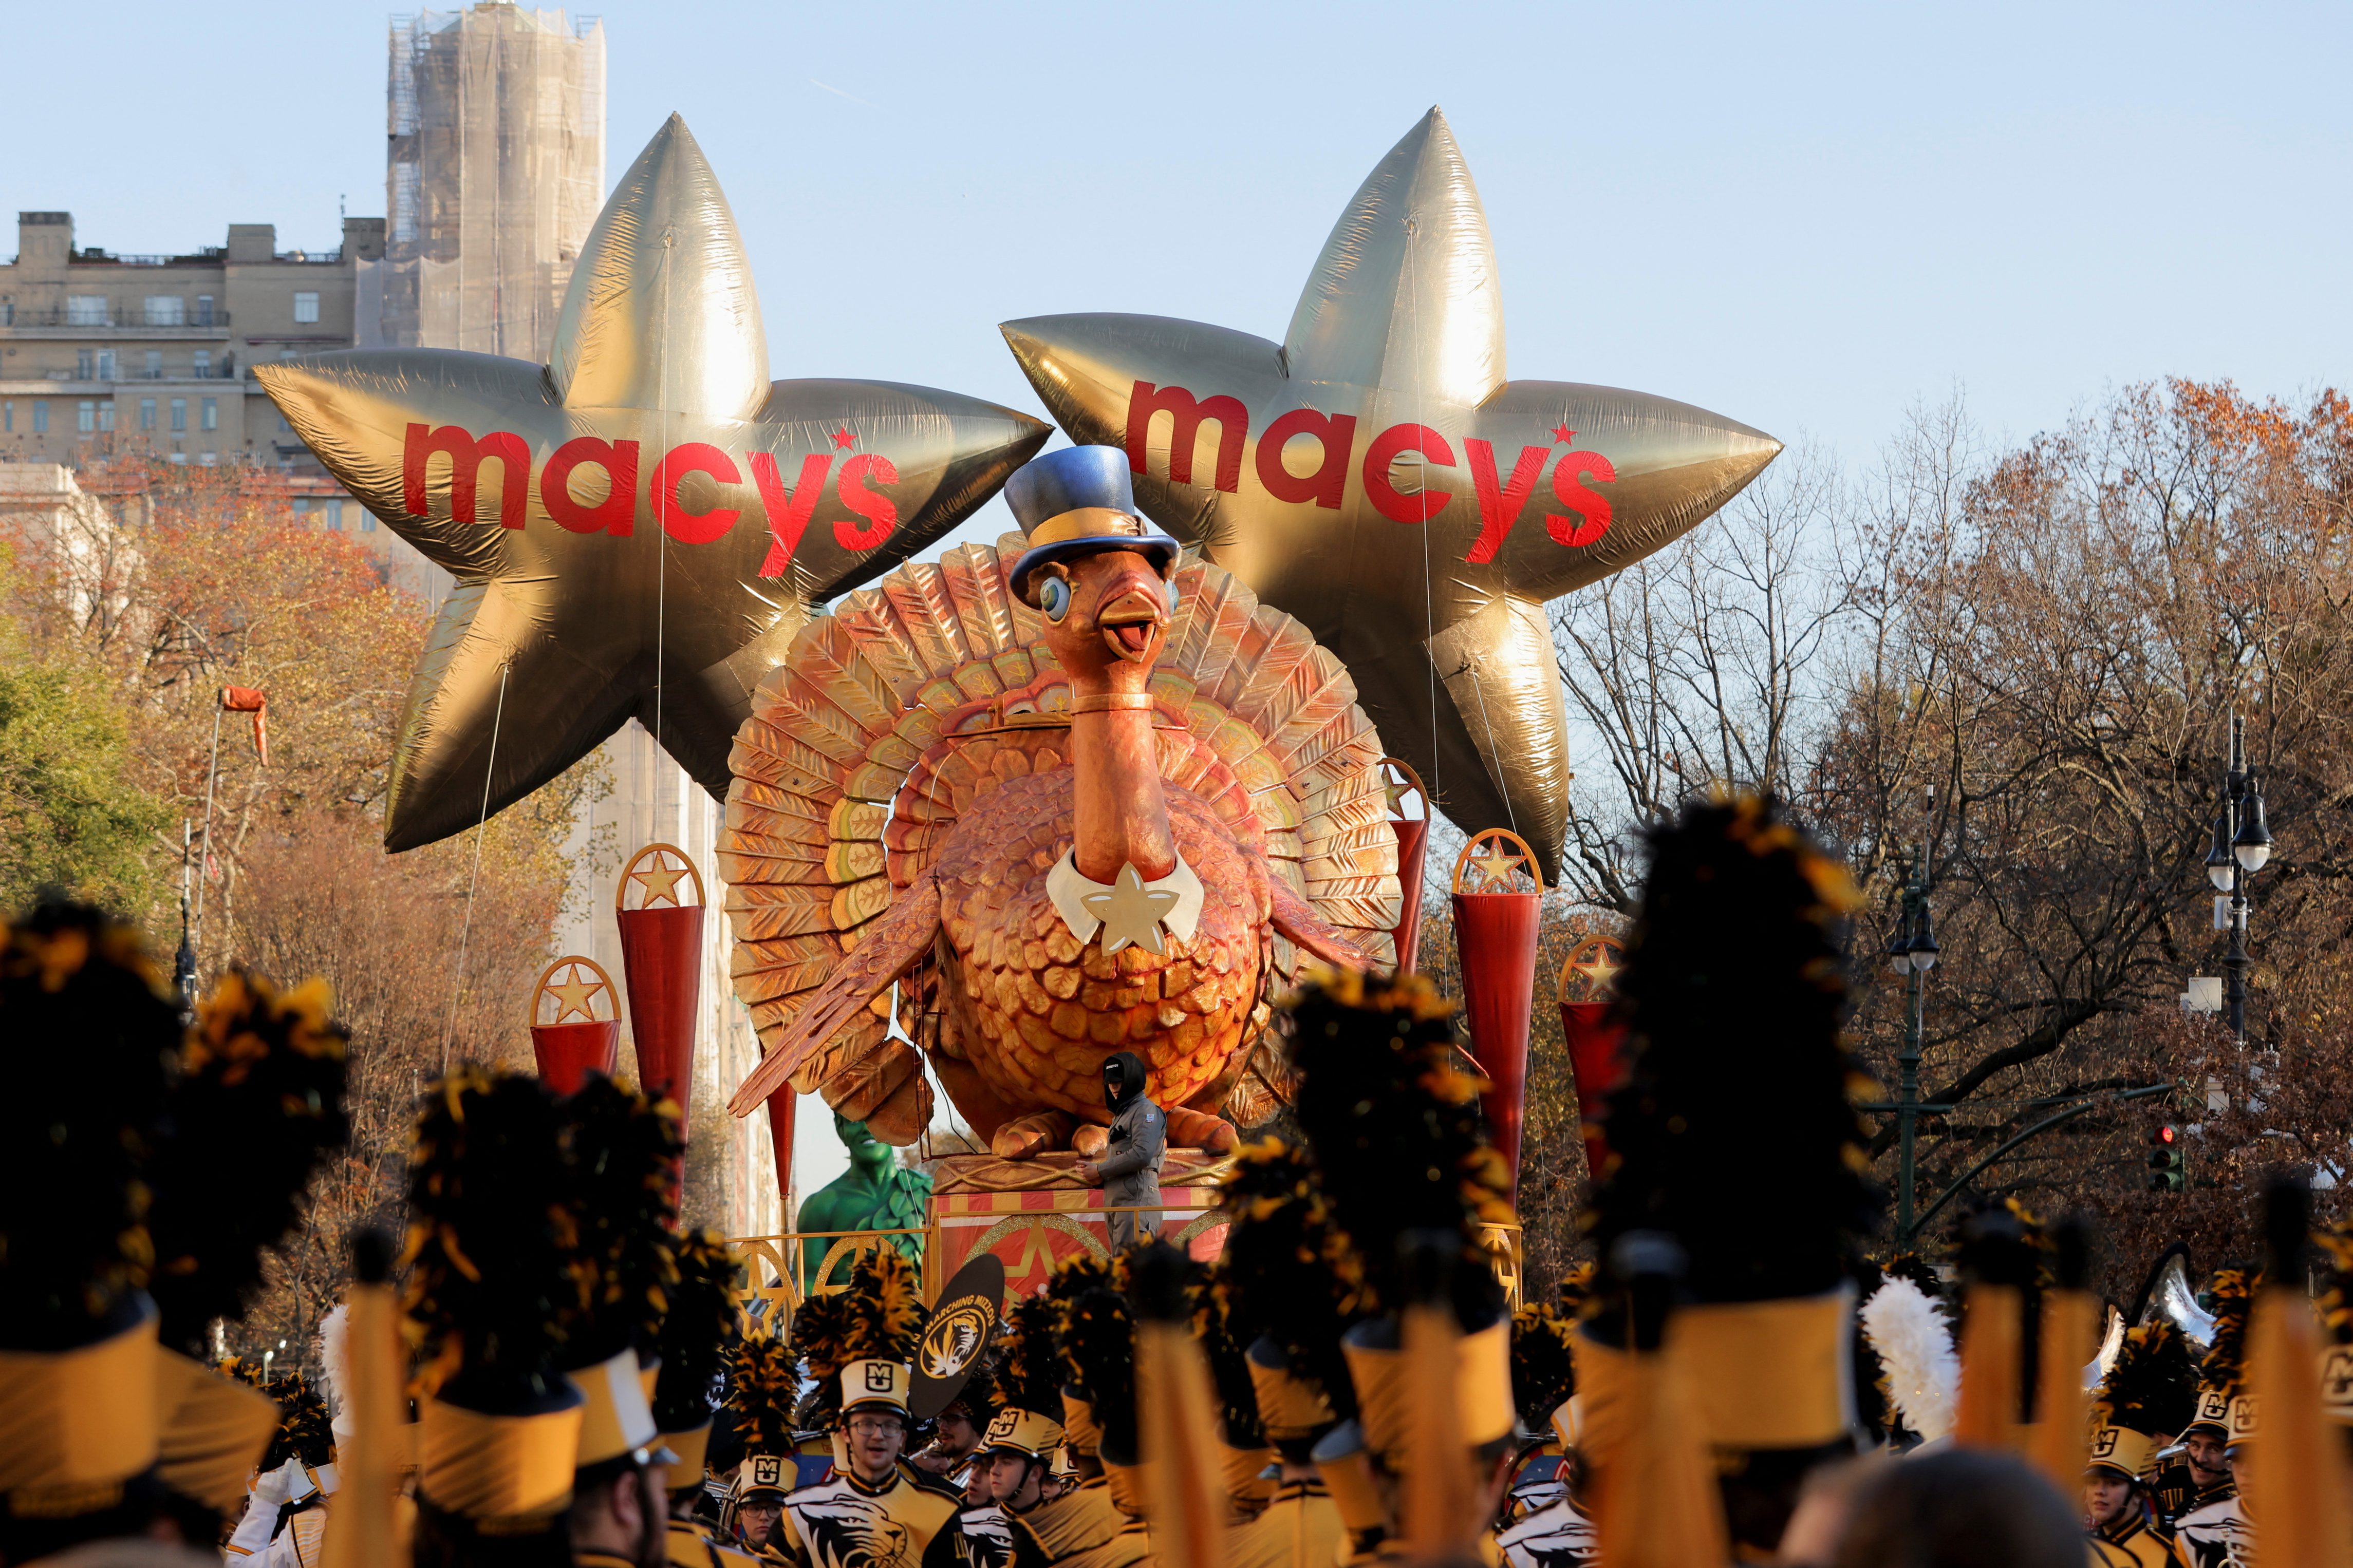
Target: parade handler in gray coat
[1129, 1171]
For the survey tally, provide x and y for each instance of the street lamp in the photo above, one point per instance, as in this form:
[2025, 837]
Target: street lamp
[1912, 954]
[2240, 848]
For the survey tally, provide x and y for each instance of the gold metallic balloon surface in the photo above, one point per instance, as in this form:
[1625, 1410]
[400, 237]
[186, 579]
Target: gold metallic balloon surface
[639, 527]
[1375, 475]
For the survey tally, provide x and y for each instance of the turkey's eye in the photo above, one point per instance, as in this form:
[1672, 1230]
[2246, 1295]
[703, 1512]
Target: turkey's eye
[1054, 597]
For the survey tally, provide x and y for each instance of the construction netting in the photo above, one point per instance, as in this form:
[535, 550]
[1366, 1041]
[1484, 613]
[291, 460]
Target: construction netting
[496, 172]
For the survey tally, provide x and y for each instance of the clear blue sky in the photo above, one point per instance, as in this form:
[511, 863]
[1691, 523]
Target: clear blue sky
[1803, 217]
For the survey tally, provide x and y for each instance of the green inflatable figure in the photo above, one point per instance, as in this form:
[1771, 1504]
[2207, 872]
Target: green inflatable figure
[874, 1193]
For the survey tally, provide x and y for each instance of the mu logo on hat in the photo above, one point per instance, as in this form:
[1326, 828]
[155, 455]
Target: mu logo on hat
[767, 1471]
[878, 1377]
[2103, 1443]
[2336, 1377]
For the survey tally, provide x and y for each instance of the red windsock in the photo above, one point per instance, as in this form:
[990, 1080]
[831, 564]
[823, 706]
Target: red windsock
[254, 700]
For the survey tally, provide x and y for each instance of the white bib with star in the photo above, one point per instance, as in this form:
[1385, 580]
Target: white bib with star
[1128, 911]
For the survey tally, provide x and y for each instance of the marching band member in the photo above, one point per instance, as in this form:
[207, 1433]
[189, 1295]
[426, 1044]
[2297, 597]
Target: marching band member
[2216, 1531]
[1026, 1454]
[113, 1446]
[2150, 1390]
[257, 1107]
[498, 1252]
[622, 1152]
[1738, 1065]
[2197, 1472]
[953, 1451]
[694, 1348]
[1283, 1290]
[286, 1525]
[877, 1509]
[764, 1376]
[1096, 1338]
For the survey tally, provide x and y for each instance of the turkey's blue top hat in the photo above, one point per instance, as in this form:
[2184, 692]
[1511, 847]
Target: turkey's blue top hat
[1077, 501]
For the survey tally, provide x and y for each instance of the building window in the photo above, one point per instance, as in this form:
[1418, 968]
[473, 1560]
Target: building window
[367, 520]
[211, 413]
[146, 414]
[105, 415]
[7, 416]
[207, 459]
[335, 512]
[289, 354]
[167, 311]
[86, 310]
[85, 417]
[106, 365]
[306, 307]
[204, 309]
[204, 364]
[179, 414]
[85, 364]
[179, 456]
[40, 416]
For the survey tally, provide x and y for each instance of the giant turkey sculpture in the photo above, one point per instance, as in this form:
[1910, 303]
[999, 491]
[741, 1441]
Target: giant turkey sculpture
[1077, 797]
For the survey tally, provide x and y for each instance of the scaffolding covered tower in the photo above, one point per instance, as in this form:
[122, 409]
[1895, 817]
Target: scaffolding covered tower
[495, 172]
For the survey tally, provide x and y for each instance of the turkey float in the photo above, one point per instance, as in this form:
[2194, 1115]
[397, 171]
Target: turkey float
[1074, 796]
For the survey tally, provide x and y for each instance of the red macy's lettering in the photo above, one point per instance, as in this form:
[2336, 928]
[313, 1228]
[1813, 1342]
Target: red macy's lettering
[859, 487]
[1335, 435]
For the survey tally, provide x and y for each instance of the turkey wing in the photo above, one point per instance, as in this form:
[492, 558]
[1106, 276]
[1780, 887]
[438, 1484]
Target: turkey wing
[895, 943]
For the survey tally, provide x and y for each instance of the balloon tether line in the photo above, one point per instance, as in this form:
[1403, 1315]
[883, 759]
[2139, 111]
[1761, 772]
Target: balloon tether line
[1489, 725]
[1429, 609]
[474, 881]
[662, 540]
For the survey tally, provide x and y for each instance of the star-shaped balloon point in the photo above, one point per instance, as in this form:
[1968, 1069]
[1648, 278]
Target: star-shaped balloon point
[639, 527]
[1375, 475]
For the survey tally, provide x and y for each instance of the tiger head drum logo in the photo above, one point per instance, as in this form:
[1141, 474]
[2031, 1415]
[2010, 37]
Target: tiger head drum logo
[958, 1333]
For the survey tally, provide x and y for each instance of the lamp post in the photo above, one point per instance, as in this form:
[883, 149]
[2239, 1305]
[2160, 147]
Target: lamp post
[2242, 843]
[1911, 953]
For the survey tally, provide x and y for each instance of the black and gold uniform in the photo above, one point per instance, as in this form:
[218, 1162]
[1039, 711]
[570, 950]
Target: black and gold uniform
[904, 1521]
[2152, 1388]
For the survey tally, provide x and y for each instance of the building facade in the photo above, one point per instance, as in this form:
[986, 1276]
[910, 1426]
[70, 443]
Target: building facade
[153, 354]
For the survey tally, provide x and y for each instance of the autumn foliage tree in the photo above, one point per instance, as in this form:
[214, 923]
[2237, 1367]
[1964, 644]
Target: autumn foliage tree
[2026, 660]
[203, 579]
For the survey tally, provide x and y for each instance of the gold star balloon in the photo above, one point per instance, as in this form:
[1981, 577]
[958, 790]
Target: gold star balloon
[638, 527]
[1375, 475]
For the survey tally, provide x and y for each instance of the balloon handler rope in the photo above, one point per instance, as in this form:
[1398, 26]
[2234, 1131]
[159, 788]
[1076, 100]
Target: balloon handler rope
[474, 881]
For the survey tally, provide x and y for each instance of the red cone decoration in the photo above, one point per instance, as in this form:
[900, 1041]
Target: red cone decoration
[1413, 855]
[1596, 1043]
[662, 959]
[574, 1041]
[784, 1106]
[1498, 905]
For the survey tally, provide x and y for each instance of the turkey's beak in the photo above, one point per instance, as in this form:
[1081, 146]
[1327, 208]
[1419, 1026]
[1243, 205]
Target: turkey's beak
[1131, 623]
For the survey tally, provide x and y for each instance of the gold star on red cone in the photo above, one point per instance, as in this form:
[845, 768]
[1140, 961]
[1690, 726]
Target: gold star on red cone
[1380, 434]
[575, 995]
[638, 527]
[659, 882]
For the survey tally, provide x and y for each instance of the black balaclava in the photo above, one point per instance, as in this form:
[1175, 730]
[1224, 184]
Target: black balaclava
[1124, 1080]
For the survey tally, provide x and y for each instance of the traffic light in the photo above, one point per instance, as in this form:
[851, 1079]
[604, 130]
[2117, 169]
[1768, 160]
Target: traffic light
[2168, 1171]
